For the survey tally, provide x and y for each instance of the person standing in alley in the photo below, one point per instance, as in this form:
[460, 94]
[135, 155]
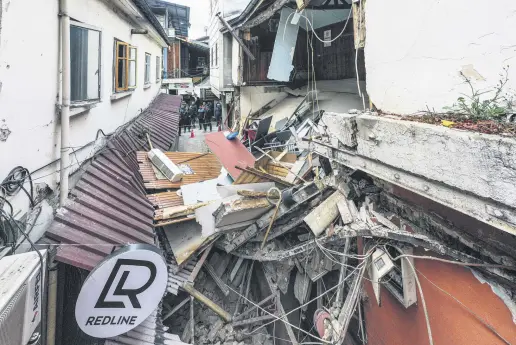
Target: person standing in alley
[208, 115]
[218, 114]
[184, 120]
[193, 114]
[202, 114]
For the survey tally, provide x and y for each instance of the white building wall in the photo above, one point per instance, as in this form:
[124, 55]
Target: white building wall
[29, 85]
[415, 50]
[252, 98]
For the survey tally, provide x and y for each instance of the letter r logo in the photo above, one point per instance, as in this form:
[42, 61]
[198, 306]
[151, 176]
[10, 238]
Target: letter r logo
[120, 290]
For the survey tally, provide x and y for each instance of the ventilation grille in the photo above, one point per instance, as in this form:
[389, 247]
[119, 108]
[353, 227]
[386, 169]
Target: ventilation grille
[12, 319]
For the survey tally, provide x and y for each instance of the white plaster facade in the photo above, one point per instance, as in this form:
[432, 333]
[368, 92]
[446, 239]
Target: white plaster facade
[29, 79]
[415, 50]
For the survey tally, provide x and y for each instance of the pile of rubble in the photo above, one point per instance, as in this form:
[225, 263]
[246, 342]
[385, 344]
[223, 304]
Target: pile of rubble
[274, 246]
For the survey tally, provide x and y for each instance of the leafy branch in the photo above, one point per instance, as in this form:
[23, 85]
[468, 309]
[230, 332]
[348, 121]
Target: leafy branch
[494, 107]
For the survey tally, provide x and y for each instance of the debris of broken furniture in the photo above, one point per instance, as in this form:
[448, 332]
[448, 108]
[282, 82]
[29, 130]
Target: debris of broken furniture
[274, 246]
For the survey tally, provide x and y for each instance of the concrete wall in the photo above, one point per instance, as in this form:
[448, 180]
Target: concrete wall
[415, 50]
[29, 85]
[451, 323]
[252, 98]
[481, 164]
[216, 39]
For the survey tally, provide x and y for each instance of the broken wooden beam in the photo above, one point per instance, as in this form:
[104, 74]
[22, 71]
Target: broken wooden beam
[199, 264]
[176, 308]
[188, 287]
[235, 269]
[179, 211]
[235, 36]
[211, 271]
[265, 176]
[254, 320]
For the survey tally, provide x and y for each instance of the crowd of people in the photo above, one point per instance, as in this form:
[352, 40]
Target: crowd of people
[199, 113]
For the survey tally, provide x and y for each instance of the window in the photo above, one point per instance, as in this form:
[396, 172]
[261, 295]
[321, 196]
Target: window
[84, 63]
[125, 66]
[158, 68]
[147, 68]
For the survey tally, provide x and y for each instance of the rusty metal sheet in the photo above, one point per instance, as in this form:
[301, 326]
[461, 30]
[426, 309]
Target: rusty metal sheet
[165, 199]
[229, 152]
[205, 166]
[108, 207]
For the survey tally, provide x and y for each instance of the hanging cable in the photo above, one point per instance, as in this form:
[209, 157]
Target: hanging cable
[427, 318]
[15, 181]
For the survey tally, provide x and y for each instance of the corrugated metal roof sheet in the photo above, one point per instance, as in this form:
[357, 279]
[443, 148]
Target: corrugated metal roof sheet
[205, 166]
[165, 199]
[177, 276]
[108, 206]
[149, 332]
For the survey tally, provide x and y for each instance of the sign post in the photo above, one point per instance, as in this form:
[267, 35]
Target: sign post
[122, 291]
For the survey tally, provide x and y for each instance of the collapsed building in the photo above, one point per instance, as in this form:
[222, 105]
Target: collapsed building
[318, 223]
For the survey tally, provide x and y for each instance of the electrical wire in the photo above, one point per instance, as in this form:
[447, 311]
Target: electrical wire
[491, 328]
[15, 181]
[364, 262]
[512, 268]
[313, 30]
[425, 310]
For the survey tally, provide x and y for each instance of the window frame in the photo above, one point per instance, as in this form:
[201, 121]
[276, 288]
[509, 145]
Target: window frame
[147, 76]
[127, 58]
[158, 68]
[94, 28]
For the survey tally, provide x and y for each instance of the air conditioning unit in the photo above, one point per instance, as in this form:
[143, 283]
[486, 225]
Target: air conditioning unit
[171, 32]
[165, 165]
[22, 278]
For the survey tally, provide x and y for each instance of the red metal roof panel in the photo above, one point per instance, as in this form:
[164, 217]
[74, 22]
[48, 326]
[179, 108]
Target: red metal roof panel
[229, 152]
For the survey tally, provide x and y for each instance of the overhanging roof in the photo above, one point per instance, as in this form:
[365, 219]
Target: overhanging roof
[108, 207]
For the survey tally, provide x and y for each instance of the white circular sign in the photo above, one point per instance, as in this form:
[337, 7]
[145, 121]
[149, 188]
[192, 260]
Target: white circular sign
[122, 291]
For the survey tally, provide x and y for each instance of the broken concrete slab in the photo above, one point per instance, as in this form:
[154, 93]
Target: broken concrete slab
[322, 216]
[345, 213]
[236, 209]
[200, 192]
[342, 126]
[441, 154]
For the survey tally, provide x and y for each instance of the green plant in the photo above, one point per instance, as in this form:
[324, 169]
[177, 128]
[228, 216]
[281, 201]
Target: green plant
[494, 107]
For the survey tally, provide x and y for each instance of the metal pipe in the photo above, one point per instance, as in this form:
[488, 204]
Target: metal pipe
[65, 106]
[51, 306]
[188, 287]
[192, 319]
[235, 36]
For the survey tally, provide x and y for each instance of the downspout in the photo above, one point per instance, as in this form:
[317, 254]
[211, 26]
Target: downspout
[65, 105]
[174, 59]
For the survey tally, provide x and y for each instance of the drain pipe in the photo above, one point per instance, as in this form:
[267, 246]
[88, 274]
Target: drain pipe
[65, 104]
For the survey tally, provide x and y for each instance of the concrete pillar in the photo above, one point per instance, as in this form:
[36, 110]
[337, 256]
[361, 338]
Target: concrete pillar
[224, 110]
